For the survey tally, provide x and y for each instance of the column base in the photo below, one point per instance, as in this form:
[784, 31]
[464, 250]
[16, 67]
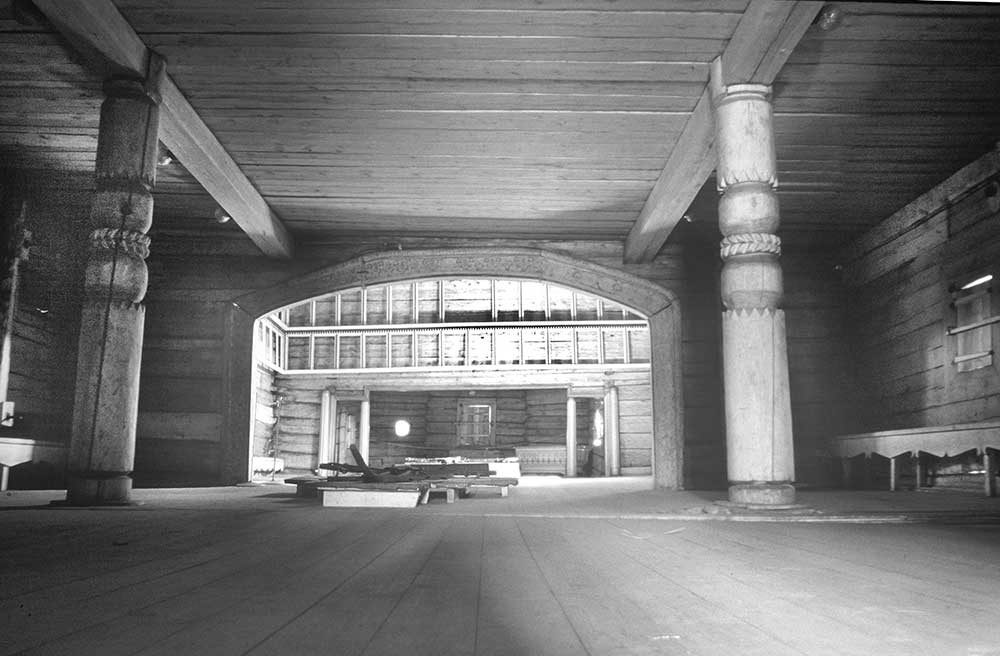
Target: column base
[98, 490]
[762, 495]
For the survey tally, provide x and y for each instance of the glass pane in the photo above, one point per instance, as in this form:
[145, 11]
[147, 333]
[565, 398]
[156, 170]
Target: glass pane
[560, 304]
[588, 345]
[508, 347]
[350, 308]
[298, 352]
[475, 424]
[402, 351]
[481, 347]
[375, 351]
[300, 315]
[375, 306]
[638, 345]
[533, 300]
[534, 346]
[614, 345]
[508, 300]
[326, 311]
[326, 353]
[427, 350]
[468, 300]
[402, 303]
[561, 346]
[586, 307]
[613, 311]
[350, 352]
[428, 301]
[454, 348]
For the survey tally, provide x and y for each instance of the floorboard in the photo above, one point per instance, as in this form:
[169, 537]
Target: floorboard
[558, 568]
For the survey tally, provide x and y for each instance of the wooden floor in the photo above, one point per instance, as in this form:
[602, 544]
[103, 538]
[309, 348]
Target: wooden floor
[553, 569]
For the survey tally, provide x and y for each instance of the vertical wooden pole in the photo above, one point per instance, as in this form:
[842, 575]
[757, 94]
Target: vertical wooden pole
[612, 436]
[327, 409]
[570, 435]
[894, 473]
[761, 463]
[364, 431]
[919, 470]
[990, 467]
[847, 472]
[102, 446]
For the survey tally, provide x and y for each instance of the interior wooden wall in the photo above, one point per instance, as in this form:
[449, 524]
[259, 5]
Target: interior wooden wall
[900, 274]
[192, 284]
[47, 316]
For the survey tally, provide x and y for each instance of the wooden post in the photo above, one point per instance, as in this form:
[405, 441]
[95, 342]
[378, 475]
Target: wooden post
[327, 426]
[919, 470]
[894, 473]
[612, 437]
[570, 435]
[847, 472]
[364, 431]
[990, 467]
[102, 445]
[761, 462]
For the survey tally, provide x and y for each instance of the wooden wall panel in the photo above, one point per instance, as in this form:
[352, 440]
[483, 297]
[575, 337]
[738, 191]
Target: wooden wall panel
[901, 272]
[46, 318]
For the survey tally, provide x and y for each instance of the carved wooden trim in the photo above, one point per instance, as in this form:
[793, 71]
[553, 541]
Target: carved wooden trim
[133, 244]
[750, 243]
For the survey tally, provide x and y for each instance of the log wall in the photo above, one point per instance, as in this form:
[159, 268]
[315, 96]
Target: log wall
[900, 275]
[47, 314]
[523, 417]
[192, 284]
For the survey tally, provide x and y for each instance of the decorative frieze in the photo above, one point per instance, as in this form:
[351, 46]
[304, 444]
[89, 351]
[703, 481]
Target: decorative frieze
[750, 243]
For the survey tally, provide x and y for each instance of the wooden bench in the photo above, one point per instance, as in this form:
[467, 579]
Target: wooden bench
[940, 441]
[15, 451]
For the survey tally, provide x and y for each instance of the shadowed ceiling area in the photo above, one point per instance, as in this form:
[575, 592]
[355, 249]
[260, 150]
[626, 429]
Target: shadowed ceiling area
[523, 120]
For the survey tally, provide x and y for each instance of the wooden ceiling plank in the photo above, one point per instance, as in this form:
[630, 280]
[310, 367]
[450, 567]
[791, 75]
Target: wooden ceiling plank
[761, 43]
[110, 44]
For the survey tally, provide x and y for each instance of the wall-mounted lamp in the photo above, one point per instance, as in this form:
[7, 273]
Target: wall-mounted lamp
[830, 17]
[221, 216]
[164, 157]
[993, 196]
[402, 428]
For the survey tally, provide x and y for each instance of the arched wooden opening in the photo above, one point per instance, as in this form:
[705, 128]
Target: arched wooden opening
[659, 305]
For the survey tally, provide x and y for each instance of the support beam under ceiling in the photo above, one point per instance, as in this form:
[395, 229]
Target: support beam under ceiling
[102, 35]
[761, 44]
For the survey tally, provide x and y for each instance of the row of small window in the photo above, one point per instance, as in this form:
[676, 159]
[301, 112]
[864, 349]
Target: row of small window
[444, 348]
[453, 301]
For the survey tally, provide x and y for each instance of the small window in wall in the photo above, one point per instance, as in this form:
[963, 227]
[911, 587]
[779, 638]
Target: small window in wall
[475, 423]
[974, 319]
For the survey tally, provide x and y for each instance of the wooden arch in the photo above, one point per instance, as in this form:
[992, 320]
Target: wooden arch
[659, 305]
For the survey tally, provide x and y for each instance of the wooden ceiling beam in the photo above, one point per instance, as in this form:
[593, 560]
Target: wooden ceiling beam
[102, 35]
[761, 43]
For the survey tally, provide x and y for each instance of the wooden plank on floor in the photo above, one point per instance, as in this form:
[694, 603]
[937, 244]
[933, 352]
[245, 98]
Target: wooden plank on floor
[350, 619]
[518, 612]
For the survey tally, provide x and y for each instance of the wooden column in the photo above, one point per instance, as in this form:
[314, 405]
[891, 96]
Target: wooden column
[364, 429]
[990, 467]
[570, 435]
[327, 426]
[755, 361]
[102, 446]
[612, 436]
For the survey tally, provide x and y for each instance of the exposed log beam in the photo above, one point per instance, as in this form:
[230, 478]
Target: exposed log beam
[761, 43]
[102, 35]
